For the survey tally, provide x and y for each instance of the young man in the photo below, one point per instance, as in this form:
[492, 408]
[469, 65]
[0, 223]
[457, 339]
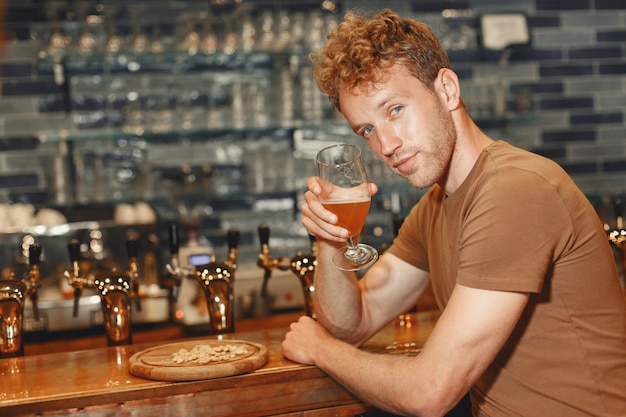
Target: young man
[533, 321]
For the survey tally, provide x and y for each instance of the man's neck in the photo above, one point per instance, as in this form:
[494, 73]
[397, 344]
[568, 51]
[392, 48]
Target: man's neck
[470, 143]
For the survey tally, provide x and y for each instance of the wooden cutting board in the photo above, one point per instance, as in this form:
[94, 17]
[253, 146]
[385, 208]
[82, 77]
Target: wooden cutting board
[157, 362]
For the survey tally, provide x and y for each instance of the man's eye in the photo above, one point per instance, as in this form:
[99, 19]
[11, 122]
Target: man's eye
[367, 130]
[396, 110]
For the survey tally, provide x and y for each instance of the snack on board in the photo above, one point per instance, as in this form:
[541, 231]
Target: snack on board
[203, 354]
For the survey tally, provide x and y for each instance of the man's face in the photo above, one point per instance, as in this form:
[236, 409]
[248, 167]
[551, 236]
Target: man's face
[406, 125]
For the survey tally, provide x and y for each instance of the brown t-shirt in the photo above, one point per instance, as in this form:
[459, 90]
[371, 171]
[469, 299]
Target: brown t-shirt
[519, 223]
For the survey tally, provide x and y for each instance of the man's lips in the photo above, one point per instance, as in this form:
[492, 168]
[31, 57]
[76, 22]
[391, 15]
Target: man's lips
[405, 164]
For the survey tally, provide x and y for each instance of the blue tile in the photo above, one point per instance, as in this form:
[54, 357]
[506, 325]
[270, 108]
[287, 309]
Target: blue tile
[8, 143]
[464, 73]
[611, 36]
[566, 103]
[562, 70]
[565, 136]
[13, 87]
[19, 180]
[610, 4]
[51, 103]
[37, 198]
[580, 167]
[17, 31]
[16, 70]
[528, 54]
[88, 103]
[437, 6]
[595, 53]
[538, 87]
[473, 55]
[543, 21]
[596, 118]
[612, 166]
[551, 153]
[612, 69]
[24, 12]
[562, 5]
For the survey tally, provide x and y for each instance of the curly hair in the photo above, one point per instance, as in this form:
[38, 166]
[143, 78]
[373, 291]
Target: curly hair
[360, 50]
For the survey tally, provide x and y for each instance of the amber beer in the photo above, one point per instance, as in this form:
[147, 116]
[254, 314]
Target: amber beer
[351, 214]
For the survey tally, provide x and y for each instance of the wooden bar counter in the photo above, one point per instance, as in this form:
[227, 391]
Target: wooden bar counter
[96, 382]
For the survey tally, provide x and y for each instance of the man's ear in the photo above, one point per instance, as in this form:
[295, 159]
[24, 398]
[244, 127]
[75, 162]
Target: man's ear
[448, 88]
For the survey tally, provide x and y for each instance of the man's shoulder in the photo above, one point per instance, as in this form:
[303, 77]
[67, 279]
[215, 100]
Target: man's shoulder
[504, 157]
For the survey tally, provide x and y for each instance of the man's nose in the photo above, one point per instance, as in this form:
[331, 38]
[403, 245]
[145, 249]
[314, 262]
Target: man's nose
[388, 139]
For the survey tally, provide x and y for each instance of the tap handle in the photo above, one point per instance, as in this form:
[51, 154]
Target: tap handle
[397, 222]
[264, 236]
[77, 292]
[232, 237]
[136, 295]
[174, 245]
[34, 254]
[34, 257]
[132, 245]
[132, 249]
[313, 244]
[73, 248]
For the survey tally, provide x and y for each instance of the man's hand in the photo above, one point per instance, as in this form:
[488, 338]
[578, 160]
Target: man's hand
[317, 220]
[303, 340]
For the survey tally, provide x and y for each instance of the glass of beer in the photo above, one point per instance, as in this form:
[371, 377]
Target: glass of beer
[346, 192]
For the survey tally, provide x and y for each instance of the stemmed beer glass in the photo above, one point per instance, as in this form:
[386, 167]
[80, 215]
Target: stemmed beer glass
[345, 192]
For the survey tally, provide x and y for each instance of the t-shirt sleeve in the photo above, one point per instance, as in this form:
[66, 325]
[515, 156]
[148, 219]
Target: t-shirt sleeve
[410, 244]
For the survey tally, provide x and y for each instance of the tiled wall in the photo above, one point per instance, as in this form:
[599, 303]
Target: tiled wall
[565, 92]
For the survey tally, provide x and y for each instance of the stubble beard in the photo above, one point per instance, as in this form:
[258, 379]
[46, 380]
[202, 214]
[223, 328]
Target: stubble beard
[434, 162]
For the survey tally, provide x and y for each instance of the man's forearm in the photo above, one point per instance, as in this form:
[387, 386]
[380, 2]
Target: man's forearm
[337, 297]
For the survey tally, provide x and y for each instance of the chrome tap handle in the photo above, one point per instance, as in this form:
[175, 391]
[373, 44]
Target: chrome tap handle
[34, 257]
[266, 261]
[303, 266]
[264, 239]
[313, 243]
[132, 249]
[174, 239]
[618, 210]
[397, 223]
[174, 266]
[232, 237]
[73, 277]
[265, 258]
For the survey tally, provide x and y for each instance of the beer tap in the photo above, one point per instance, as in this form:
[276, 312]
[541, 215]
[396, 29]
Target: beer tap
[617, 235]
[12, 300]
[34, 275]
[266, 261]
[174, 267]
[74, 276]
[216, 279]
[303, 265]
[232, 237]
[115, 290]
[132, 248]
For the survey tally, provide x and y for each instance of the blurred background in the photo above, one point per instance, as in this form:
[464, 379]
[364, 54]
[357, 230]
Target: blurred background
[118, 115]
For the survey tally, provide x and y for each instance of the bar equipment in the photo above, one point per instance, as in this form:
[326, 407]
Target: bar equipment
[268, 264]
[13, 294]
[617, 237]
[216, 279]
[116, 289]
[303, 265]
